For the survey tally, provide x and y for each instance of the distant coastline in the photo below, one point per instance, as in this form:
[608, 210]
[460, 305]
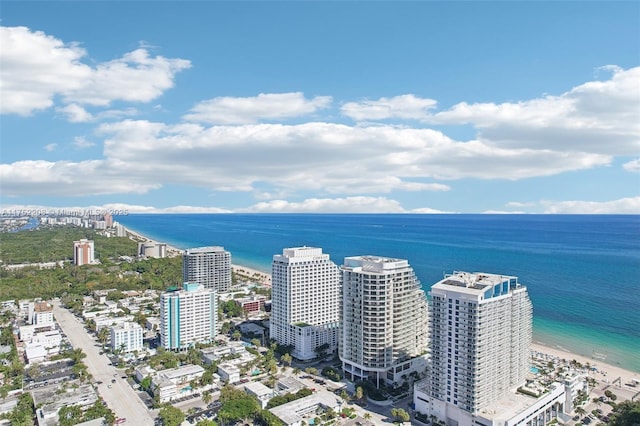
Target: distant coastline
[523, 245]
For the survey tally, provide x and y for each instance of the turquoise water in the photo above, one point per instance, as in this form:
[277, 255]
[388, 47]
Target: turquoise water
[582, 271]
[534, 370]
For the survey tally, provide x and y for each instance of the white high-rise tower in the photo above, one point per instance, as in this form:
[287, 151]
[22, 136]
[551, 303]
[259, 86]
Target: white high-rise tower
[384, 320]
[481, 328]
[187, 316]
[305, 301]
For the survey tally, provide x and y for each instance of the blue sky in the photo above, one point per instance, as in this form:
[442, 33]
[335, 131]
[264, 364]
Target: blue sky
[354, 106]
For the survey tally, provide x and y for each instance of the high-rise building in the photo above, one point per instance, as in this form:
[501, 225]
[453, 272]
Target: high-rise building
[305, 301]
[187, 316]
[384, 320]
[127, 337]
[480, 336]
[83, 252]
[209, 267]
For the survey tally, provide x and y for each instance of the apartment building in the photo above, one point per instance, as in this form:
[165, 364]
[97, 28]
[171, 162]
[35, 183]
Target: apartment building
[305, 301]
[209, 267]
[384, 320]
[187, 316]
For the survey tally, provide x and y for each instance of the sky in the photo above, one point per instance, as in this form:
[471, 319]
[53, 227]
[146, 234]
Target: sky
[321, 107]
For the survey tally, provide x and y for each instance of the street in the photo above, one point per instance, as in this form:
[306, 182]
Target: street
[121, 398]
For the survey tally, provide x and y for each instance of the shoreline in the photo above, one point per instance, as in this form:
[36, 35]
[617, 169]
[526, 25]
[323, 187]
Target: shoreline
[604, 372]
[263, 277]
[599, 370]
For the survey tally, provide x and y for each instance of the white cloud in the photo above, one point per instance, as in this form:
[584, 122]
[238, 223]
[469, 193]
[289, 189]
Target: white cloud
[81, 142]
[265, 106]
[629, 205]
[51, 147]
[519, 204]
[632, 166]
[36, 68]
[404, 106]
[75, 113]
[66, 178]
[597, 116]
[326, 158]
[329, 205]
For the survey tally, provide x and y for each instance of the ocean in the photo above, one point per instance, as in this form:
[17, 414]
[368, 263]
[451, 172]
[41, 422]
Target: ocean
[582, 271]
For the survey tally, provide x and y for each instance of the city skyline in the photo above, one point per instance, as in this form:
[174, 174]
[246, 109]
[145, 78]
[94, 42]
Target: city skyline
[410, 107]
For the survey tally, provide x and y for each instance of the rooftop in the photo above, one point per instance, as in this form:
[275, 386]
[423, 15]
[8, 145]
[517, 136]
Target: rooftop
[294, 411]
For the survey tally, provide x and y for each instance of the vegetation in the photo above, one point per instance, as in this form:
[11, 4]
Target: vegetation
[171, 416]
[288, 397]
[72, 281]
[72, 414]
[332, 374]
[10, 366]
[56, 243]
[236, 405]
[22, 414]
[400, 415]
[626, 413]
[232, 309]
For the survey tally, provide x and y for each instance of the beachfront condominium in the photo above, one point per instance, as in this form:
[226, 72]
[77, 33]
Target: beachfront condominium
[480, 331]
[187, 316]
[305, 301]
[83, 252]
[383, 335]
[208, 266]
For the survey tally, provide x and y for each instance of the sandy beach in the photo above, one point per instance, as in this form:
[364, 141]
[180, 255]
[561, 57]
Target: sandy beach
[600, 371]
[262, 277]
[259, 276]
[171, 250]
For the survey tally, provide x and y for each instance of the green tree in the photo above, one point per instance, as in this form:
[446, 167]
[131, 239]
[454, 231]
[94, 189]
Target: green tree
[359, 393]
[627, 413]
[171, 416]
[145, 384]
[286, 359]
[400, 415]
[206, 423]
[236, 335]
[69, 415]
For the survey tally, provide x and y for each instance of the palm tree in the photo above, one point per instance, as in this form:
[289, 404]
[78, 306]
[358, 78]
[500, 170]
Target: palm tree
[206, 397]
[367, 416]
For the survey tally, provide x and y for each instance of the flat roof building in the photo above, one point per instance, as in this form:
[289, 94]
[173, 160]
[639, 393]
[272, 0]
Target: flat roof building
[208, 266]
[481, 328]
[384, 320]
[187, 316]
[305, 308]
[83, 252]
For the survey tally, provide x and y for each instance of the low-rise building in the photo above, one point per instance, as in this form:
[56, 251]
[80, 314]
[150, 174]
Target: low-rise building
[35, 354]
[229, 373]
[288, 385]
[252, 304]
[51, 400]
[295, 412]
[175, 382]
[262, 393]
[126, 337]
[209, 355]
[538, 406]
